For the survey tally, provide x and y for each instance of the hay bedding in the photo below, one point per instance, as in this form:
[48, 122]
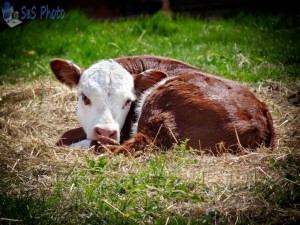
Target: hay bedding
[34, 115]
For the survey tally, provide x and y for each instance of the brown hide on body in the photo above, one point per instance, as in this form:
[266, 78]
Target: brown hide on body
[214, 115]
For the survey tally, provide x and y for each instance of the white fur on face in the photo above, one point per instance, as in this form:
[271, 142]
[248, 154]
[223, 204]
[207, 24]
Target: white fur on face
[110, 89]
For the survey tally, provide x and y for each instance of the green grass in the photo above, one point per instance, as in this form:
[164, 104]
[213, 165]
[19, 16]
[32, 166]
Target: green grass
[132, 191]
[140, 196]
[121, 190]
[244, 48]
[107, 193]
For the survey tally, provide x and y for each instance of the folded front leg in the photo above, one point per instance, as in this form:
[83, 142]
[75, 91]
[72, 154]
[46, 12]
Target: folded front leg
[130, 147]
[72, 136]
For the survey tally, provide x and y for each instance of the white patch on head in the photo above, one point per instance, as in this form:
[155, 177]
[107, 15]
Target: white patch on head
[108, 86]
[140, 104]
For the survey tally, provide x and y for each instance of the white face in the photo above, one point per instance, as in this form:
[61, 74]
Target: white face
[106, 91]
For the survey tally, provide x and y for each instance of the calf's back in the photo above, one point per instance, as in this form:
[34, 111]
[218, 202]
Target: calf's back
[214, 115]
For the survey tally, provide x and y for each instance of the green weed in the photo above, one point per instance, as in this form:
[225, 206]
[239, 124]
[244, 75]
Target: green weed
[141, 195]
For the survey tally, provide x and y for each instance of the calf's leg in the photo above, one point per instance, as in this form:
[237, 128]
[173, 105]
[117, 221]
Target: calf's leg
[72, 136]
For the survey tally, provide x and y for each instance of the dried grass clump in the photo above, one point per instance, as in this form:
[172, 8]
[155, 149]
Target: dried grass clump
[34, 115]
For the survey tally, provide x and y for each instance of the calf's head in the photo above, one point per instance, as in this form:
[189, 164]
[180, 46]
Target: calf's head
[106, 91]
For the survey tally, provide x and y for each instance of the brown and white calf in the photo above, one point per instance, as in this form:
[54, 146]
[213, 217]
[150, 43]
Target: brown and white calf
[148, 100]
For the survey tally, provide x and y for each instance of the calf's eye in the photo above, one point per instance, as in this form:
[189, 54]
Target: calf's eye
[86, 100]
[127, 103]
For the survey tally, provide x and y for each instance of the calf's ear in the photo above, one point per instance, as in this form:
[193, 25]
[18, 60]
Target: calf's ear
[147, 79]
[66, 72]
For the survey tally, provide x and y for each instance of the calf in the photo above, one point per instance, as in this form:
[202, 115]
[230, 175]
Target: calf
[147, 100]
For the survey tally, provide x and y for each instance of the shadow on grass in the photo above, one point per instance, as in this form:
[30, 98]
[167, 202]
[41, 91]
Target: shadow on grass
[23, 210]
[27, 210]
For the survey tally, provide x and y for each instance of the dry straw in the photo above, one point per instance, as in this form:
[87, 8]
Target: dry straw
[34, 115]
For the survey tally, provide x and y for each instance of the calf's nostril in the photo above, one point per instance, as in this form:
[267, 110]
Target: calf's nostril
[105, 132]
[98, 131]
[113, 134]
